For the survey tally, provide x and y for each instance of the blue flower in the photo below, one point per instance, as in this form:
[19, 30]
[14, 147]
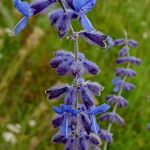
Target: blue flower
[65, 109]
[120, 84]
[27, 11]
[95, 111]
[83, 7]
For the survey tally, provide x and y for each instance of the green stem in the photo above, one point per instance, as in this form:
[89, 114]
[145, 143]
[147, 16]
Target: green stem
[119, 93]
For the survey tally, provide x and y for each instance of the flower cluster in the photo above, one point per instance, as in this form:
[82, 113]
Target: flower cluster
[76, 118]
[120, 83]
[61, 18]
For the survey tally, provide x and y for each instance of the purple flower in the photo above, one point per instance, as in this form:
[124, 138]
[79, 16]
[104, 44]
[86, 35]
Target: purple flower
[65, 64]
[113, 118]
[124, 51]
[59, 138]
[119, 42]
[56, 92]
[82, 143]
[57, 121]
[95, 88]
[71, 96]
[98, 110]
[61, 20]
[27, 11]
[94, 38]
[86, 122]
[39, 6]
[83, 7]
[70, 144]
[87, 97]
[119, 100]
[105, 135]
[120, 84]
[65, 109]
[91, 67]
[130, 59]
[132, 43]
[125, 72]
[94, 139]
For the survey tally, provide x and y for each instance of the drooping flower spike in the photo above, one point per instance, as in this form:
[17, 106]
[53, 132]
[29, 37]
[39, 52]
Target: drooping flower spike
[76, 122]
[28, 10]
[120, 83]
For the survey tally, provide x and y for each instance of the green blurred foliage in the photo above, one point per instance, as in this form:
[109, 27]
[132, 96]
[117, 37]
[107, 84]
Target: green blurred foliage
[25, 74]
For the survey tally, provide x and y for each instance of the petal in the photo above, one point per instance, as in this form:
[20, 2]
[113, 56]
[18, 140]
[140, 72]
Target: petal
[91, 67]
[82, 143]
[99, 109]
[58, 110]
[132, 43]
[113, 118]
[95, 127]
[124, 51]
[116, 81]
[84, 5]
[39, 6]
[78, 4]
[125, 72]
[22, 7]
[57, 121]
[56, 92]
[95, 88]
[85, 22]
[70, 4]
[94, 139]
[58, 138]
[132, 60]
[64, 68]
[128, 86]
[119, 42]
[105, 135]
[94, 38]
[86, 122]
[87, 97]
[20, 26]
[71, 96]
[61, 20]
[70, 144]
[69, 109]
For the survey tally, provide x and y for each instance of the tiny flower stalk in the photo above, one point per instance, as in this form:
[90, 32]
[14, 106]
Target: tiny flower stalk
[121, 84]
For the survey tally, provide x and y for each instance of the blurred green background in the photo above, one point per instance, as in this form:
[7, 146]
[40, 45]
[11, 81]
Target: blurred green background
[25, 112]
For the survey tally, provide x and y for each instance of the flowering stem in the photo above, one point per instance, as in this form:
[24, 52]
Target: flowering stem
[119, 93]
[75, 51]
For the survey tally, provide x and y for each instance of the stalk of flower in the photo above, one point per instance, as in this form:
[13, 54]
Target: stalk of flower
[121, 85]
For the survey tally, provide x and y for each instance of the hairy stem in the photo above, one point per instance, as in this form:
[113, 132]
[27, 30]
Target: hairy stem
[119, 93]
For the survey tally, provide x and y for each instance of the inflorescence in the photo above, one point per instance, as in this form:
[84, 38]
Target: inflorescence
[76, 117]
[120, 83]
